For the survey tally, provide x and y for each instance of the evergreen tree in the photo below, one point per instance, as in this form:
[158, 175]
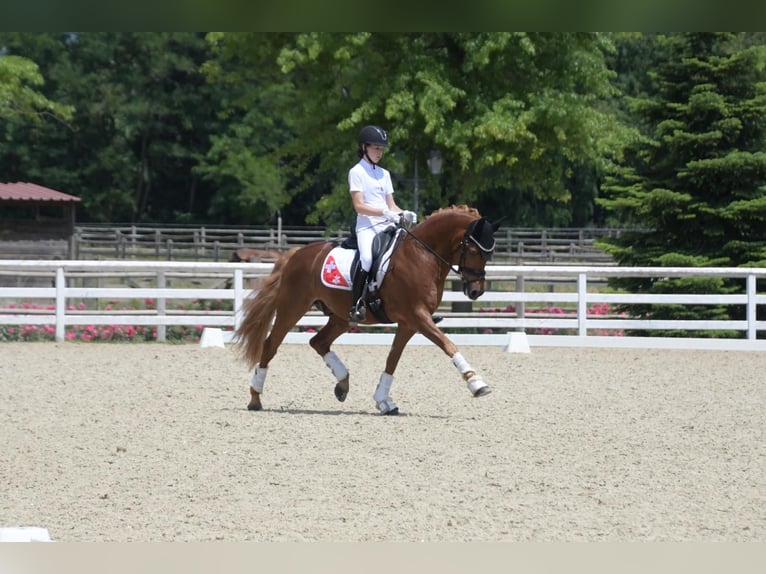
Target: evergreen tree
[696, 184]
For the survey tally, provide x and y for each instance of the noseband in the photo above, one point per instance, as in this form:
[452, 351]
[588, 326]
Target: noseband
[469, 237]
[485, 252]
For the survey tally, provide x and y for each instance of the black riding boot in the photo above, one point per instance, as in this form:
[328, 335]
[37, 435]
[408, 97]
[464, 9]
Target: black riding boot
[358, 312]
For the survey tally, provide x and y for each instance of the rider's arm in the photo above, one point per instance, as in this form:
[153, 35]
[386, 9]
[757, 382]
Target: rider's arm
[357, 197]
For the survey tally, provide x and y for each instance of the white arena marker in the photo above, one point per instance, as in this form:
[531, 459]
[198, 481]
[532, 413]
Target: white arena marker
[24, 534]
[211, 337]
[517, 343]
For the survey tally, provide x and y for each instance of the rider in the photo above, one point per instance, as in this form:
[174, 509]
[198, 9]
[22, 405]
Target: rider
[372, 194]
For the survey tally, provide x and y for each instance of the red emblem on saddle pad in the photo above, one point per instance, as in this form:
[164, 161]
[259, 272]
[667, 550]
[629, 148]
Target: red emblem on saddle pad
[331, 274]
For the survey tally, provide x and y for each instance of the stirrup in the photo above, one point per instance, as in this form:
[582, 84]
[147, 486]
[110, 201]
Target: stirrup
[357, 313]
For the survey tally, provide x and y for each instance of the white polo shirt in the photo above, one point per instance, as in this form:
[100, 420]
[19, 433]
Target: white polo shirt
[374, 182]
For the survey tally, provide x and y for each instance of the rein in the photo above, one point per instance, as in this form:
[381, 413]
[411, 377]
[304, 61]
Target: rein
[434, 253]
[460, 270]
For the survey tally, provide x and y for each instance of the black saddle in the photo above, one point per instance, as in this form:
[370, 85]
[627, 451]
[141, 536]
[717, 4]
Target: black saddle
[381, 243]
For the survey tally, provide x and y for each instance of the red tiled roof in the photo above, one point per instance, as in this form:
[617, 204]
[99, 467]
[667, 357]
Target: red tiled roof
[21, 191]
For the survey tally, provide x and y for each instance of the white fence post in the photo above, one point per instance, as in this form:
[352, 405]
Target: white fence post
[751, 307]
[161, 307]
[239, 296]
[582, 304]
[60, 305]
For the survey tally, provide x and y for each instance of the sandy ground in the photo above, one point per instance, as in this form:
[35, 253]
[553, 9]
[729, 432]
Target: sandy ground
[153, 442]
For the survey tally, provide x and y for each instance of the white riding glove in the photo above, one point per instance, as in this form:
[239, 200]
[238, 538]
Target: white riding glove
[391, 216]
[410, 217]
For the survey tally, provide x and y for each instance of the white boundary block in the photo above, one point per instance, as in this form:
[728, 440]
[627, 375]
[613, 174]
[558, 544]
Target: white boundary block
[211, 337]
[517, 343]
[24, 534]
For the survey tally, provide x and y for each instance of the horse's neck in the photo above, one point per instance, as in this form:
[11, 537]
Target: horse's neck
[445, 237]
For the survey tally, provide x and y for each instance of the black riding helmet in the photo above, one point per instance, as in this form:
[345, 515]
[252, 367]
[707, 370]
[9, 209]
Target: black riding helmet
[371, 135]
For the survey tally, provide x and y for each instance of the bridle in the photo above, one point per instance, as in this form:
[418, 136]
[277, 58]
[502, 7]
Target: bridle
[463, 246]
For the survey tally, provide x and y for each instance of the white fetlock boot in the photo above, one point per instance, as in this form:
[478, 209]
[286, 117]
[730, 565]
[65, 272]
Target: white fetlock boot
[383, 401]
[478, 387]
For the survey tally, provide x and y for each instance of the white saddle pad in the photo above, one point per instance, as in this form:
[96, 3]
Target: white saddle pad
[336, 269]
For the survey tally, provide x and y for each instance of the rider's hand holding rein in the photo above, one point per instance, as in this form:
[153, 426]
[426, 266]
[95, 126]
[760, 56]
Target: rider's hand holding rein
[409, 217]
[391, 216]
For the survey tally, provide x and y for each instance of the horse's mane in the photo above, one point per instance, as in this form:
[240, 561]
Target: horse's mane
[456, 208]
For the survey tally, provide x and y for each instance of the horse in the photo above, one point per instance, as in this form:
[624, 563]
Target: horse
[253, 255]
[248, 255]
[456, 238]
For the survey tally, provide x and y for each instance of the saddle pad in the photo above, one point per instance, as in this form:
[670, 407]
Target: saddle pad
[336, 269]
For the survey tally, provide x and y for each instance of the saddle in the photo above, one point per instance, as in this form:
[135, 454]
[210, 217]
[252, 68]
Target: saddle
[381, 244]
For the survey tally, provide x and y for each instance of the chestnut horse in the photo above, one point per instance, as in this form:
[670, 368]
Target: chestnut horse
[456, 238]
[254, 255]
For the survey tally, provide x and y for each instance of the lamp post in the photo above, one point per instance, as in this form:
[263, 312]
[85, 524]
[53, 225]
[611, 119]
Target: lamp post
[434, 166]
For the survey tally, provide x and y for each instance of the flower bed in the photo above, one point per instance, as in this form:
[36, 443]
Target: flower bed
[109, 333]
[191, 334]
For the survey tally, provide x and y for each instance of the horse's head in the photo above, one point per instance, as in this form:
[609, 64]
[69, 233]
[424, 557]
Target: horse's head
[477, 247]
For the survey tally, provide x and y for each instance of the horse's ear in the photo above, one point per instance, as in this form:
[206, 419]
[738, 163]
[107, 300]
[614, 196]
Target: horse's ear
[496, 226]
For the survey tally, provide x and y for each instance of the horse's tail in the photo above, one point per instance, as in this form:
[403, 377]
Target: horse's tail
[258, 311]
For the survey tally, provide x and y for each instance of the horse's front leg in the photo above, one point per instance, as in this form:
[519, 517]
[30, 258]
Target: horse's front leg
[382, 395]
[321, 343]
[476, 384]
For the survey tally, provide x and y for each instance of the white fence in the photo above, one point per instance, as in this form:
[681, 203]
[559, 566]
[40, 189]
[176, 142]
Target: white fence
[71, 293]
[188, 243]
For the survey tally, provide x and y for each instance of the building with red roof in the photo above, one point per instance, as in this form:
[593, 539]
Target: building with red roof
[36, 222]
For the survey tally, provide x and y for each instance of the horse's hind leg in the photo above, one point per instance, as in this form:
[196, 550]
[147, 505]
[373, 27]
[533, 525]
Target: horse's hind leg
[285, 320]
[321, 343]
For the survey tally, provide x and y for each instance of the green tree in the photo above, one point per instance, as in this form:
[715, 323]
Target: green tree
[143, 115]
[696, 183]
[519, 118]
[20, 98]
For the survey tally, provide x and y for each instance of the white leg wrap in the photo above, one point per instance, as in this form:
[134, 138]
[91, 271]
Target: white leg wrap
[336, 365]
[259, 377]
[382, 399]
[475, 383]
[461, 364]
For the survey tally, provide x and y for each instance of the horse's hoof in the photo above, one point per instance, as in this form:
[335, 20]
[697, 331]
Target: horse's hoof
[340, 393]
[482, 391]
[392, 413]
[254, 407]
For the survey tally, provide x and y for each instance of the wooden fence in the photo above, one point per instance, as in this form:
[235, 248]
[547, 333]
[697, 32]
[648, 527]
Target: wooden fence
[514, 245]
[71, 293]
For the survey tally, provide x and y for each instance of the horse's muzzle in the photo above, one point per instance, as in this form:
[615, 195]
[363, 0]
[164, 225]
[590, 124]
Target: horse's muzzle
[473, 289]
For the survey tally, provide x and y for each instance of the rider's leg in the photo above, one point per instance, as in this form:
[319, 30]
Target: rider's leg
[364, 239]
[358, 312]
